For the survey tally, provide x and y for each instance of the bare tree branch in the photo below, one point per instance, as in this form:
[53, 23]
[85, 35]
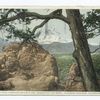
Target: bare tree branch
[93, 29]
[97, 34]
[3, 21]
[9, 11]
[57, 14]
[21, 15]
[95, 50]
[39, 26]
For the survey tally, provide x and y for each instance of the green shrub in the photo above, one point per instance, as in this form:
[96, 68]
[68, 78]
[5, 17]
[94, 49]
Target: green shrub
[64, 62]
[96, 62]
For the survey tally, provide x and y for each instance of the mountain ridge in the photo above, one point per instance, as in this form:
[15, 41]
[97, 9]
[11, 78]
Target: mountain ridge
[64, 48]
[55, 47]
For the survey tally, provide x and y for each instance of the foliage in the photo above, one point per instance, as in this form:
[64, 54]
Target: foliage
[96, 62]
[19, 33]
[64, 62]
[10, 17]
[91, 23]
[12, 28]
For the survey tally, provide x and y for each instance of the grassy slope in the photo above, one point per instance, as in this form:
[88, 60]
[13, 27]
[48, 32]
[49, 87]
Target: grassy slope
[65, 61]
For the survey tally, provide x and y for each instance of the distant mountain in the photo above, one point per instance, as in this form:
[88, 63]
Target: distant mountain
[64, 48]
[58, 48]
[55, 47]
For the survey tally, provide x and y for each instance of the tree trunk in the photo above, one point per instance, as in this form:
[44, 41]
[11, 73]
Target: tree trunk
[82, 52]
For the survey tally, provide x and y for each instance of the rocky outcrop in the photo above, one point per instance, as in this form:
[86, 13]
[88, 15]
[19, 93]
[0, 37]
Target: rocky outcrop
[74, 81]
[27, 67]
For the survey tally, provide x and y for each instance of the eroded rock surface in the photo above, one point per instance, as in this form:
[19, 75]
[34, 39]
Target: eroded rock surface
[74, 81]
[27, 67]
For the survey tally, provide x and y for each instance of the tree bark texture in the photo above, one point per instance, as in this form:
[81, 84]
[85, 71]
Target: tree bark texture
[82, 52]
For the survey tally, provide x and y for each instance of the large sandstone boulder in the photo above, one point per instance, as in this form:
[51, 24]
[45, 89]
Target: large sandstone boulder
[28, 67]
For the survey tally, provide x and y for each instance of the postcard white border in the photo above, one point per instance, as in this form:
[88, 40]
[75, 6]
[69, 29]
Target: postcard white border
[49, 93]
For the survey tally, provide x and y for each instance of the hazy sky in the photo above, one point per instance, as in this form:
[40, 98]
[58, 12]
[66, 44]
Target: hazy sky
[58, 30]
[64, 36]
